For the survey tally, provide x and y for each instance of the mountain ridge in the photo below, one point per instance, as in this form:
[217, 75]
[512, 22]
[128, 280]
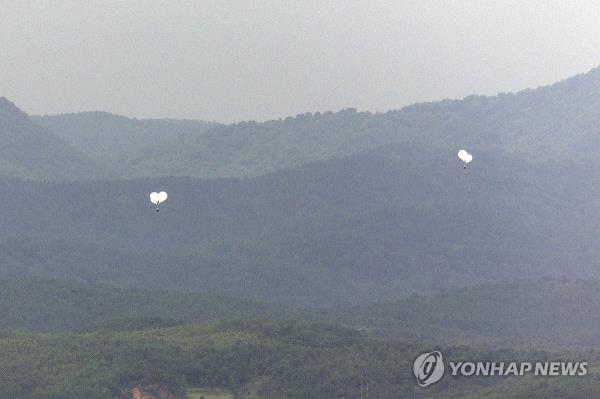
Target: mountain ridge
[551, 123]
[111, 137]
[31, 152]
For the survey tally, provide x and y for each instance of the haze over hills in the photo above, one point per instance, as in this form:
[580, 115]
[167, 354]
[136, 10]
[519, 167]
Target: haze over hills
[53, 305]
[31, 152]
[366, 220]
[556, 314]
[345, 208]
[375, 226]
[556, 123]
[551, 313]
[376, 247]
[115, 138]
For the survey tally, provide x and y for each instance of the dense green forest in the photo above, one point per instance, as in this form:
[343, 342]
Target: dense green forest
[252, 359]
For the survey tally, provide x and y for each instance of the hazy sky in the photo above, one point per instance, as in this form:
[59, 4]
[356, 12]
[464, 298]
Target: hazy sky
[236, 60]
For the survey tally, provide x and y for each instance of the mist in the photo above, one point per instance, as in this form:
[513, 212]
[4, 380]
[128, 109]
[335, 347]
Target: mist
[238, 60]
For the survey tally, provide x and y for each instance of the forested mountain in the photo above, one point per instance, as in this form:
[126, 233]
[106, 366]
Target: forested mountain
[32, 153]
[371, 227]
[252, 149]
[115, 138]
[375, 225]
[557, 124]
[371, 215]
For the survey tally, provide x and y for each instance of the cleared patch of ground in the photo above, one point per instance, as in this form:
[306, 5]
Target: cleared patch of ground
[207, 393]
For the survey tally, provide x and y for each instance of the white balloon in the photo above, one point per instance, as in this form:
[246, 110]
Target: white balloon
[465, 156]
[162, 196]
[154, 198]
[158, 198]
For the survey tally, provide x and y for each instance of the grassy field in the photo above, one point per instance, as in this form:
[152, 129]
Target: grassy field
[207, 393]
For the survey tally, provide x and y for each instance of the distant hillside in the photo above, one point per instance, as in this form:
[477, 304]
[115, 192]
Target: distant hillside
[106, 136]
[371, 227]
[558, 123]
[252, 149]
[31, 152]
[52, 305]
[555, 313]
